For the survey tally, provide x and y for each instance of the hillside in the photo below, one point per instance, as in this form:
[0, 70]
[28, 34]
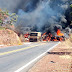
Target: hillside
[8, 38]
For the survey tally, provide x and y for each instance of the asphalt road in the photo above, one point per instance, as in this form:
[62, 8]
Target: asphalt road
[12, 58]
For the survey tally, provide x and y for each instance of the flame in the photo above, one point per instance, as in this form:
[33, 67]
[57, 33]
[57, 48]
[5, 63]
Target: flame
[26, 35]
[44, 34]
[59, 33]
[50, 37]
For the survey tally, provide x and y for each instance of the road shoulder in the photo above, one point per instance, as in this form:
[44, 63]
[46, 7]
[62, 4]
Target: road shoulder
[57, 60]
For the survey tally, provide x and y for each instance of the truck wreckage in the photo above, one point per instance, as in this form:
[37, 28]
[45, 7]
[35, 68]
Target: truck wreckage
[54, 33]
[37, 36]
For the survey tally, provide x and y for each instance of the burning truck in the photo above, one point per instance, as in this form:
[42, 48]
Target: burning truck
[53, 33]
[35, 37]
[49, 37]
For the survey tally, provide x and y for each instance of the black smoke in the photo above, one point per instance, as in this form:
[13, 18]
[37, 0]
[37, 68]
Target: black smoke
[39, 14]
[43, 14]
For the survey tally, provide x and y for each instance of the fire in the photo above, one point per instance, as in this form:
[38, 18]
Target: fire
[50, 37]
[26, 35]
[44, 34]
[59, 33]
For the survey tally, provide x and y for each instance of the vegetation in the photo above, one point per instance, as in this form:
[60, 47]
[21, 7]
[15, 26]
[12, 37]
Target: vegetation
[71, 5]
[71, 15]
[2, 28]
[7, 18]
[71, 8]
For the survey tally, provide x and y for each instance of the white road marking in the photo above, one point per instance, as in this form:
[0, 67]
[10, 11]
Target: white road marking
[2, 45]
[27, 43]
[20, 69]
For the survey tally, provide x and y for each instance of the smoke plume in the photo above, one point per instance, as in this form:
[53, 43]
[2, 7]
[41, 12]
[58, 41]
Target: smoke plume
[43, 14]
[38, 14]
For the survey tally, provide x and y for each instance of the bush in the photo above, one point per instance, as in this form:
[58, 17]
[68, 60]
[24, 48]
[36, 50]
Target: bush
[7, 18]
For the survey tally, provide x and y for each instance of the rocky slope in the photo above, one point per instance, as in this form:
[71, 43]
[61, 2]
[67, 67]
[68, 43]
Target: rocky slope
[9, 38]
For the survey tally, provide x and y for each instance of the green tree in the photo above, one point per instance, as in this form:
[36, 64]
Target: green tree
[7, 18]
[71, 5]
[71, 15]
[71, 9]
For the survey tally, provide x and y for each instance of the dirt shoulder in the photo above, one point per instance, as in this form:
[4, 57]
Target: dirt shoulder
[57, 60]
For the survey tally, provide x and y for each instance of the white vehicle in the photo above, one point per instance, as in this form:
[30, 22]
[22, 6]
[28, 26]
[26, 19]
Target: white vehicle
[35, 37]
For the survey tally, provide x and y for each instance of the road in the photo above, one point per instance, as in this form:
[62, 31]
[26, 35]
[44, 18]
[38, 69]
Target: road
[13, 58]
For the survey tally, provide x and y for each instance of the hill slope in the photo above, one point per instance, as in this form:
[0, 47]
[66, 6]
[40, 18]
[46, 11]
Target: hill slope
[9, 38]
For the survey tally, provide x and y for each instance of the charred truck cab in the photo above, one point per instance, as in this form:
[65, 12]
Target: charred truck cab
[35, 37]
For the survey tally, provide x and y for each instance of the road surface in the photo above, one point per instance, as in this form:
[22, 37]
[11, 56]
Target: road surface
[13, 58]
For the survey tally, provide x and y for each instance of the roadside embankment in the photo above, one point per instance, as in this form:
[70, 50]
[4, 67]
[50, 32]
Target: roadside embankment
[8, 38]
[57, 60]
